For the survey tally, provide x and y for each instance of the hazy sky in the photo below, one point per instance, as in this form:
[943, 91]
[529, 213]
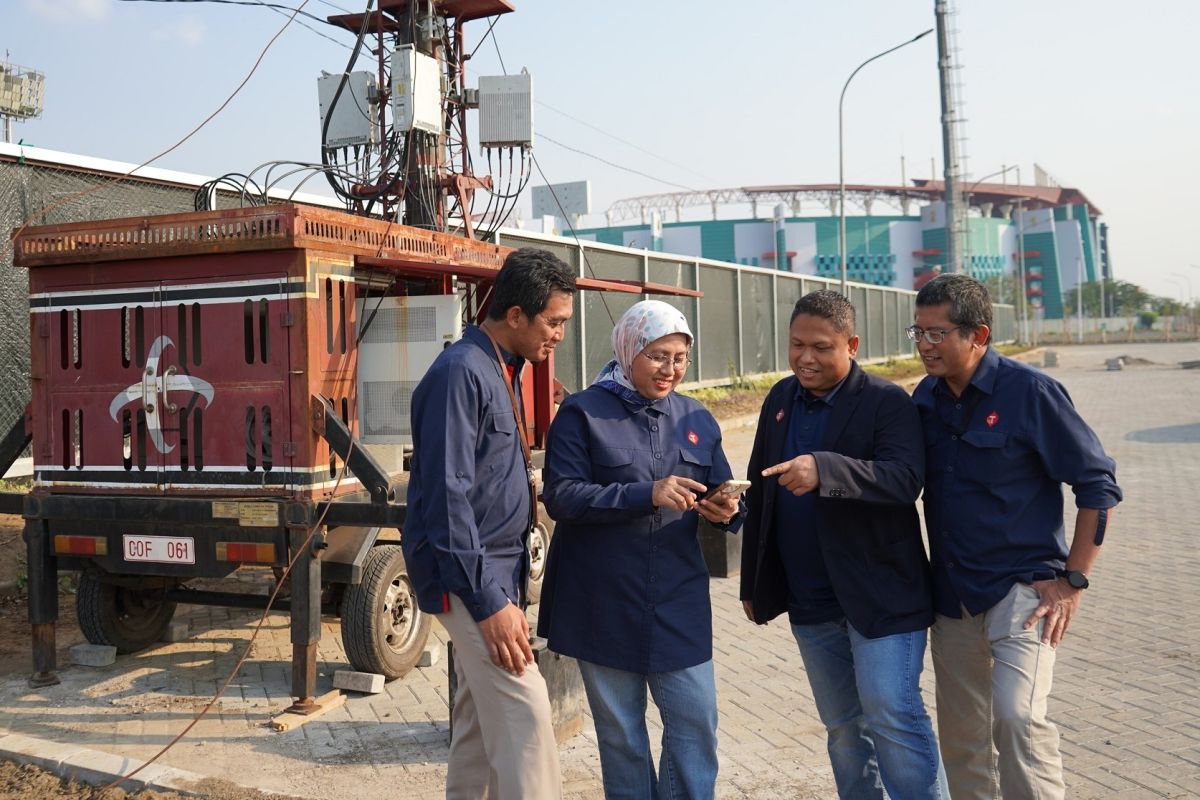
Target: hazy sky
[1102, 94]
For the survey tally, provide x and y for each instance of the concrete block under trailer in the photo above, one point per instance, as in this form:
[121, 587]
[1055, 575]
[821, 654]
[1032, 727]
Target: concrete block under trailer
[194, 400]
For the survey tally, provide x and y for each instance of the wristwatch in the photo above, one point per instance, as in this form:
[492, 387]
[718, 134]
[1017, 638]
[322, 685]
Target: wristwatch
[1075, 578]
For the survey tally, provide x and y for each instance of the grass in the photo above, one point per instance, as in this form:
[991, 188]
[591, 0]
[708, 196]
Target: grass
[898, 369]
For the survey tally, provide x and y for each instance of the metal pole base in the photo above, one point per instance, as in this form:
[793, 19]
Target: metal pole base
[39, 679]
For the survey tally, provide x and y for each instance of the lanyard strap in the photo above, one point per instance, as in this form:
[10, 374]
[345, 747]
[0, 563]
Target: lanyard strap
[521, 430]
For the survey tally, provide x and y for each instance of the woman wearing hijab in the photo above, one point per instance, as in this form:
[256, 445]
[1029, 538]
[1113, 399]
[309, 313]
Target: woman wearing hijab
[626, 586]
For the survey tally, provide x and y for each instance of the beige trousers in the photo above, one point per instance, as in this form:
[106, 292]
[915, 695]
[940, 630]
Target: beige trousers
[503, 746]
[993, 682]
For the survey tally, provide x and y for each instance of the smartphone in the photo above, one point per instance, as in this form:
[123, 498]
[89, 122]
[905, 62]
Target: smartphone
[731, 487]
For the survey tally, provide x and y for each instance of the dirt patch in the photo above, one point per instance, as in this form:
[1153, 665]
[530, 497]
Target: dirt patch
[23, 781]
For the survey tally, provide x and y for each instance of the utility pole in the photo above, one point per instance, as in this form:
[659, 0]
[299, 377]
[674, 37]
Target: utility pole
[1079, 295]
[1022, 289]
[949, 137]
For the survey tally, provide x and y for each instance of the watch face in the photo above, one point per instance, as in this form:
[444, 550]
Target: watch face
[1077, 579]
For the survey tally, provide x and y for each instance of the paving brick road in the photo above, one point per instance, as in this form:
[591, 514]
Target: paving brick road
[1127, 695]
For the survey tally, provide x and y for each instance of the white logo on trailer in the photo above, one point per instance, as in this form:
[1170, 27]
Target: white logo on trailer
[154, 384]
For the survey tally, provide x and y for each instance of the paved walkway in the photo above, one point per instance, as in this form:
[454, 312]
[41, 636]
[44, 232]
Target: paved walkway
[1127, 697]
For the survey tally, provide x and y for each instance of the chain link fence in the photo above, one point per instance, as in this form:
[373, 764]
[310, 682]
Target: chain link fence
[26, 191]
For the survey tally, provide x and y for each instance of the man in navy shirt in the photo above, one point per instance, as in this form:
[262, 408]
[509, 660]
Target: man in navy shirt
[832, 537]
[1001, 439]
[469, 513]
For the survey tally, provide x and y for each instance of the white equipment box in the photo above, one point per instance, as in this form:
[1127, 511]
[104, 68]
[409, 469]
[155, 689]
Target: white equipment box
[506, 110]
[354, 118]
[416, 91]
[401, 343]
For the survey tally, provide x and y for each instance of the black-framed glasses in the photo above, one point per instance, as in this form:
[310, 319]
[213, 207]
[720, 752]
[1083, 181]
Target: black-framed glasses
[661, 360]
[933, 336]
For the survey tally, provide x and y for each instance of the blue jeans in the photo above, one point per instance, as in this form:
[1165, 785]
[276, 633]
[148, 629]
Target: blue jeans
[868, 696]
[687, 704]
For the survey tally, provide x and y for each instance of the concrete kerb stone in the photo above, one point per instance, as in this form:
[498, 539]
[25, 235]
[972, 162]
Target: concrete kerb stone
[94, 767]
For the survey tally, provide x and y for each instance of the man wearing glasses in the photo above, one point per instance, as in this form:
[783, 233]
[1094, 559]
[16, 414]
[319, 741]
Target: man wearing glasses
[1001, 439]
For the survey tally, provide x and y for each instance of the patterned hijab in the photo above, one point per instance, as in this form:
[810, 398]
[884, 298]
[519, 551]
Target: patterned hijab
[642, 324]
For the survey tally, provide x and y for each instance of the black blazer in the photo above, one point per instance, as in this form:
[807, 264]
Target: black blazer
[872, 466]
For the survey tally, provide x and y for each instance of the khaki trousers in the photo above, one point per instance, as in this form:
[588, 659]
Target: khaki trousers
[503, 746]
[993, 682]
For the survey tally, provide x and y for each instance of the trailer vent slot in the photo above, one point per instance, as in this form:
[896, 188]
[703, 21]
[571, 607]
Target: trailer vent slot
[264, 338]
[251, 440]
[184, 439]
[248, 330]
[198, 438]
[140, 439]
[125, 354]
[342, 316]
[139, 336]
[127, 439]
[70, 338]
[196, 333]
[328, 315]
[268, 458]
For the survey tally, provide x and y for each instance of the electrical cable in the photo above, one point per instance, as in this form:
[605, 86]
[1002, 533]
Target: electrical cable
[623, 141]
[302, 550]
[615, 165]
[574, 235]
[275, 6]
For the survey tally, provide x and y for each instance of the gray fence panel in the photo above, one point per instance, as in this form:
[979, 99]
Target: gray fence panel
[758, 324]
[683, 275]
[718, 334]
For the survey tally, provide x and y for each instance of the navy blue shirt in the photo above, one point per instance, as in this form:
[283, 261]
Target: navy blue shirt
[468, 493]
[811, 599]
[626, 585]
[996, 459]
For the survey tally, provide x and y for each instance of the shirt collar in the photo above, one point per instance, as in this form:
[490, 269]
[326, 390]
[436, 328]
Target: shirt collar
[984, 378]
[804, 396]
[476, 335]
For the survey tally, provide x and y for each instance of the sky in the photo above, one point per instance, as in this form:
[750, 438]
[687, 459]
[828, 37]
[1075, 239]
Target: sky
[690, 93]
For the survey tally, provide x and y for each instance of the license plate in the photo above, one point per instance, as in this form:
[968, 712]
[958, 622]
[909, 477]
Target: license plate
[160, 549]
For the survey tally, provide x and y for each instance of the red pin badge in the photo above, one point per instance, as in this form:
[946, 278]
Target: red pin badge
[779, 415]
[693, 438]
[991, 419]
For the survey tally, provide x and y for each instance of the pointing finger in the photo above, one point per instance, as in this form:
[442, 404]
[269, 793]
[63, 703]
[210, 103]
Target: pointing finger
[777, 469]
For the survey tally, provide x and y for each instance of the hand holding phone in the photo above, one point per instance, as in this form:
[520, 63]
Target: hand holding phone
[731, 488]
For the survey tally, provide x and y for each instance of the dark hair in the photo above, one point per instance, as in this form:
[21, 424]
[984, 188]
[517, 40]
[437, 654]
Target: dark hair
[527, 279]
[970, 304]
[827, 305]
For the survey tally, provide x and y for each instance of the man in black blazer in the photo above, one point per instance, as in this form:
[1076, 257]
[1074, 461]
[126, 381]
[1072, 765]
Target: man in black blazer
[832, 537]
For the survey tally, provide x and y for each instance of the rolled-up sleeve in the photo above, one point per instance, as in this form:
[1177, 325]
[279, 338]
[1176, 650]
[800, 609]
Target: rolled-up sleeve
[572, 491]
[448, 417]
[1070, 450]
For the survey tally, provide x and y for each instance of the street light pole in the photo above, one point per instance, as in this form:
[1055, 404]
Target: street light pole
[842, 162]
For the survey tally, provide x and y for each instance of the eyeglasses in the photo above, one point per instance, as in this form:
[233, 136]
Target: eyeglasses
[933, 336]
[661, 360]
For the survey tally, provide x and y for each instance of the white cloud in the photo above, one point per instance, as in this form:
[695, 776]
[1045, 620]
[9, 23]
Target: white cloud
[188, 31]
[70, 10]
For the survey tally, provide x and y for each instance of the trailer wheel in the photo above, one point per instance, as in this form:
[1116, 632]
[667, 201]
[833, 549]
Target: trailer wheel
[383, 631]
[128, 618]
[539, 548]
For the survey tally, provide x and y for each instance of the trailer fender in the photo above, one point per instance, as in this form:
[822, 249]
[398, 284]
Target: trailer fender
[342, 561]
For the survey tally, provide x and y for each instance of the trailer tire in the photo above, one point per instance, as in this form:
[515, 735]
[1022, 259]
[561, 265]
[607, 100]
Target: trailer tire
[127, 618]
[539, 549]
[383, 630]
